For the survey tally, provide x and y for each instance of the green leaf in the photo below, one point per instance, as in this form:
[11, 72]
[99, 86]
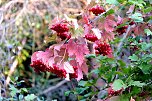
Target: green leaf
[82, 83]
[90, 56]
[96, 71]
[67, 93]
[126, 70]
[118, 84]
[81, 90]
[119, 73]
[24, 89]
[83, 100]
[115, 2]
[139, 3]
[148, 9]
[147, 58]
[137, 17]
[122, 1]
[25, 53]
[133, 58]
[136, 83]
[136, 90]
[145, 46]
[124, 97]
[111, 11]
[121, 25]
[16, 78]
[13, 90]
[148, 32]
[145, 67]
[89, 94]
[121, 63]
[21, 97]
[30, 97]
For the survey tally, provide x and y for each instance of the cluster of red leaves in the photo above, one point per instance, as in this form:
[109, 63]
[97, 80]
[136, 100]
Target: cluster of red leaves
[135, 30]
[66, 59]
[40, 63]
[104, 31]
[98, 37]
[55, 59]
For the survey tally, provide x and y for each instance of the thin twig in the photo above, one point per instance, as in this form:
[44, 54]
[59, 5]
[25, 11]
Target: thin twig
[15, 63]
[149, 83]
[63, 57]
[18, 15]
[12, 69]
[122, 41]
[0, 88]
[53, 87]
[99, 16]
[119, 47]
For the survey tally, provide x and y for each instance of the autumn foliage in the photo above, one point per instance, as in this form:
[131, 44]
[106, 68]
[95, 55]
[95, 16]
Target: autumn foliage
[99, 33]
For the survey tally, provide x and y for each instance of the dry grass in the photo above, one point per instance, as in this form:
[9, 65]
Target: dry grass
[24, 20]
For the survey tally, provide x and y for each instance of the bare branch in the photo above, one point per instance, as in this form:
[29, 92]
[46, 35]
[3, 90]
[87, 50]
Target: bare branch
[119, 47]
[15, 63]
[98, 17]
[53, 87]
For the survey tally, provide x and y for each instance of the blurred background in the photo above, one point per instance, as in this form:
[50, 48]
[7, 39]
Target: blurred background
[23, 28]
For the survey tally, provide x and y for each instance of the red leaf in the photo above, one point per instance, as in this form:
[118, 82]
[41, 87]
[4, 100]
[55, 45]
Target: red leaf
[86, 20]
[139, 29]
[97, 32]
[71, 47]
[80, 75]
[34, 56]
[100, 83]
[39, 60]
[86, 24]
[120, 20]
[84, 67]
[68, 67]
[78, 50]
[44, 56]
[81, 51]
[51, 61]
[107, 36]
[57, 46]
[87, 29]
[109, 23]
[81, 68]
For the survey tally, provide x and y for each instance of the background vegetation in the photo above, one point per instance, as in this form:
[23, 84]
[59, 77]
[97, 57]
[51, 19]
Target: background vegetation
[24, 30]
